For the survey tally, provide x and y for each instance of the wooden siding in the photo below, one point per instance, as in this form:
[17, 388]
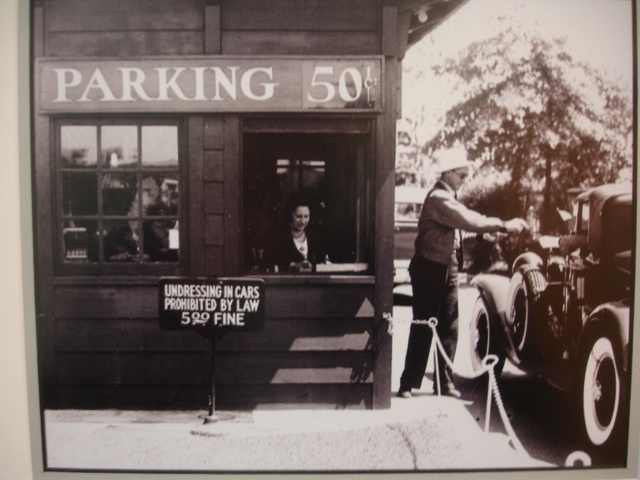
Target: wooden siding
[279, 335]
[291, 27]
[233, 397]
[302, 300]
[132, 397]
[232, 188]
[310, 15]
[194, 367]
[123, 15]
[108, 340]
[325, 301]
[103, 28]
[125, 44]
[299, 43]
[306, 396]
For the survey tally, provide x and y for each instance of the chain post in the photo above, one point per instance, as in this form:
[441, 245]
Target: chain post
[487, 417]
[488, 364]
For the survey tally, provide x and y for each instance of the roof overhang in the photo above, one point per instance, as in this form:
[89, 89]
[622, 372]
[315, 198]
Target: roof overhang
[424, 16]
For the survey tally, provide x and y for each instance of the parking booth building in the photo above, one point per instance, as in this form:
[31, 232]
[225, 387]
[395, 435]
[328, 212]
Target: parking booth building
[168, 137]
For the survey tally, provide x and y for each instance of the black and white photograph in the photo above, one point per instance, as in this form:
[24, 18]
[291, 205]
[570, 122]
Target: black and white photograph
[337, 236]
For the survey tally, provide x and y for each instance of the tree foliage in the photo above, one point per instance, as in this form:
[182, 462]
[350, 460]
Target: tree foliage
[529, 109]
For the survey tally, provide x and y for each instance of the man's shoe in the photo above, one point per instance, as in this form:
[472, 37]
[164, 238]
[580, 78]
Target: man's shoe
[404, 393]
[449, 390]
[452, 392]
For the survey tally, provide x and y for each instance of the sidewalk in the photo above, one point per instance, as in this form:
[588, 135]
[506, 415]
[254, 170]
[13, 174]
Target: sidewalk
[423, 433]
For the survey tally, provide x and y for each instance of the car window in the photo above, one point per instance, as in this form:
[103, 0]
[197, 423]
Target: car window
[618, 229]
[407, 211]
[583, 225]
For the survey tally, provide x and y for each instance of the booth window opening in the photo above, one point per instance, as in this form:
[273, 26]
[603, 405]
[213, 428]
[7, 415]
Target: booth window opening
[324, 179]
[120, 192]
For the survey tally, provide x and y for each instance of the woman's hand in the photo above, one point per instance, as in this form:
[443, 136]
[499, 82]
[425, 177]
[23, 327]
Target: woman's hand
[303, 266]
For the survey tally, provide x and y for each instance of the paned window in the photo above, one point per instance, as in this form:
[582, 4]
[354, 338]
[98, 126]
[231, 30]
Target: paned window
[119, 193]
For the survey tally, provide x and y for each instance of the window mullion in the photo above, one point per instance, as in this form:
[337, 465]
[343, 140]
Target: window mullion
[99, 173]
[140, 213]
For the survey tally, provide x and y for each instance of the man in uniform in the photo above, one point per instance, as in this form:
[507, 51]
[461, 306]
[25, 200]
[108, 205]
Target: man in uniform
[434, 270]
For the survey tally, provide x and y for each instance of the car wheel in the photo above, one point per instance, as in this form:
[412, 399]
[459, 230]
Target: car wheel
[600, 390]
[481, 338]
[523, 298]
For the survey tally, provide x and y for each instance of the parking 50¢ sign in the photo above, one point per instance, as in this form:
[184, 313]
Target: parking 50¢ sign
[203, 303]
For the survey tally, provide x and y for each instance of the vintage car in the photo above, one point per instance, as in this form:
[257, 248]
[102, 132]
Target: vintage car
[564, 314]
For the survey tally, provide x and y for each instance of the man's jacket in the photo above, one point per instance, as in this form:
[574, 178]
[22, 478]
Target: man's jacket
[441, 215]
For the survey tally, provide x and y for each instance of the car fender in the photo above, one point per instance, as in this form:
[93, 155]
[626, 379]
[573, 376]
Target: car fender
[493, 291]
[614, 317]
[528, 258]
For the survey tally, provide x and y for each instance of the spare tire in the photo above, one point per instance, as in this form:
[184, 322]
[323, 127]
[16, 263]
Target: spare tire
[525, 312]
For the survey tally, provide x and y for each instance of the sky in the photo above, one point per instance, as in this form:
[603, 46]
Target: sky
[598, 32]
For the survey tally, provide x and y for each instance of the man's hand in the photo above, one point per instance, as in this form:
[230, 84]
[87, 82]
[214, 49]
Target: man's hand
[516, 225]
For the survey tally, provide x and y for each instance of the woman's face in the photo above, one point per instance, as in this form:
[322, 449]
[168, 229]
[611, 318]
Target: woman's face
[300, 218]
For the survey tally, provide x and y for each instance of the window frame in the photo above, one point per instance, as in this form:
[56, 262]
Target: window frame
[102, 267]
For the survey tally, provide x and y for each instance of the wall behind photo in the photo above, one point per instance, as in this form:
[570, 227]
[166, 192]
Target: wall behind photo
[15, 459]
[16, 257]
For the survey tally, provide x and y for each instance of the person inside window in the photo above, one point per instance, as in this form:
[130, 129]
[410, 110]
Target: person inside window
[156, 232]
[158, 198]
[296, 247]
[120, 243]
[120, 198]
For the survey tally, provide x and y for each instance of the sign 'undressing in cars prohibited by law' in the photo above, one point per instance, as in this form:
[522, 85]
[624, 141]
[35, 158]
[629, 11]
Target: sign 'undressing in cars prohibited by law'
[205, 303]
[211, 306]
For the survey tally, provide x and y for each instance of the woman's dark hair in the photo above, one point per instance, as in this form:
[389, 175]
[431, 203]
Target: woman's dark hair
[296, 200]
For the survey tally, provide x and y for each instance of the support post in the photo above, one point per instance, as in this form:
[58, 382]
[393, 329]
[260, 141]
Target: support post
[212, 417]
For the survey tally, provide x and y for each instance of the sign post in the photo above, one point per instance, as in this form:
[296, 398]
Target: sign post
[211, 306]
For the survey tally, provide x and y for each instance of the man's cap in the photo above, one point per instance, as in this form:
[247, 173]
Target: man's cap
[451, 159]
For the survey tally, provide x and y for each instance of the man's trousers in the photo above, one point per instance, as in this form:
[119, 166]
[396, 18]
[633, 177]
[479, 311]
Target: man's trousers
[435, 294]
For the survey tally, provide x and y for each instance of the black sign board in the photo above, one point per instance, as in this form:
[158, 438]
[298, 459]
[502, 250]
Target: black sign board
[211, 303]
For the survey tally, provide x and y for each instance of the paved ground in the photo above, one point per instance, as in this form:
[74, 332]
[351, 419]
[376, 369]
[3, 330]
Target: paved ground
[424, 433]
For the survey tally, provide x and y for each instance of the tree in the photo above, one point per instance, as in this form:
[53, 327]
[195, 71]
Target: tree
[529, 109]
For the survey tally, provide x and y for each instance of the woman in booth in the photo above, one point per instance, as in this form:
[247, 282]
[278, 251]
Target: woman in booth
[296, 247]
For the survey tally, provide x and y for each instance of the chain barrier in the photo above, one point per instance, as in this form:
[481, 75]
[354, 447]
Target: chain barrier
[488, 364]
